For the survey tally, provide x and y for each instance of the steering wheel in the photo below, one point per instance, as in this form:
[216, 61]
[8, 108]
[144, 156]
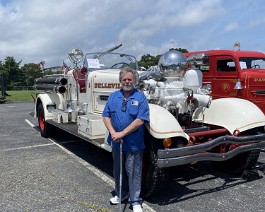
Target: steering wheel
[255, 66]
[122, 64]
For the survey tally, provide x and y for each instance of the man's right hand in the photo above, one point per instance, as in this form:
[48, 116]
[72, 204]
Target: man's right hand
[117, 136]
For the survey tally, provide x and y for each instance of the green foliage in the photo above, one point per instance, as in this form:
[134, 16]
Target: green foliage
[14, 76]
[31, 71]
[180, 50]
[11, 72]
[148, 60]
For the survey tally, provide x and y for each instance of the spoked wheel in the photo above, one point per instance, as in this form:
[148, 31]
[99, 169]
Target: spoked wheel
[45, 128]
[153, 177]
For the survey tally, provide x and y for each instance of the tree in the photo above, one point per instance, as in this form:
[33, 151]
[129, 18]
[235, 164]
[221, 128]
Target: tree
[180, 50]
[31, 71]
[149, 60]
[12, 73]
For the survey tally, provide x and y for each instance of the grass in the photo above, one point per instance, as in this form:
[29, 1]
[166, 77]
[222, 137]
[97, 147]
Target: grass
[21, 96]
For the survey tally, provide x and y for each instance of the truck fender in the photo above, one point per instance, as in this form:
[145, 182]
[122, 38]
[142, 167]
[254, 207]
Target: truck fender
[49, 102]
[232, 114]
[163, 124]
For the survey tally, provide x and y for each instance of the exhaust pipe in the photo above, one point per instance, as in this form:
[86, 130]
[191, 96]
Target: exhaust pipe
[54, 88]
[51, 80]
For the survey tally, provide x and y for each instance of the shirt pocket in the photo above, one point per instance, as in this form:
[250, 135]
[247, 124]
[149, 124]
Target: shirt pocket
[133, 110]
[113, 109]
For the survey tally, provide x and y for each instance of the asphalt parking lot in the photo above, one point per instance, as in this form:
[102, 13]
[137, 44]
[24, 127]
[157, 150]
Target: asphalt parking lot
[64, 173]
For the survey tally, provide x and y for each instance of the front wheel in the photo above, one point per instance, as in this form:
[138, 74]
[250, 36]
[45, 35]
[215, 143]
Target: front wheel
[153, 177]
[45, 128]
[239, 163]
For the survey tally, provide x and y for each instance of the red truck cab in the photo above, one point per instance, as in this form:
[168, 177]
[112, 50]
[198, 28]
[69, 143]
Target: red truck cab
[232, 73]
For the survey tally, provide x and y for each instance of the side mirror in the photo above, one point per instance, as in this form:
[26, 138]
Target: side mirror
[238, 85]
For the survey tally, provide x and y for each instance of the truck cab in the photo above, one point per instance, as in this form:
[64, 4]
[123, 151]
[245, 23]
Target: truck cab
[232, 73]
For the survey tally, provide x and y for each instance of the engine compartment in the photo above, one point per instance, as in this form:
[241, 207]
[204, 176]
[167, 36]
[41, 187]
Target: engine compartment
[181, 95]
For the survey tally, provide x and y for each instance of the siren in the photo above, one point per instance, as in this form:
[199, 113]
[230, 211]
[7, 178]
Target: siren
[237, 46]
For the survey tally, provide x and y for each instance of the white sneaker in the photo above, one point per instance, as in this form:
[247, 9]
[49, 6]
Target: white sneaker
[137, 208]
[116, 200]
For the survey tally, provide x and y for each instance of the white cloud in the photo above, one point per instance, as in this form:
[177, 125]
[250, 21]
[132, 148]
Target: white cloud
[197, 12]
[171, 15]
[34, 30]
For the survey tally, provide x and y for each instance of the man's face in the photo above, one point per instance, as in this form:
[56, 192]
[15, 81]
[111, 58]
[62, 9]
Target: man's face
[127, 81]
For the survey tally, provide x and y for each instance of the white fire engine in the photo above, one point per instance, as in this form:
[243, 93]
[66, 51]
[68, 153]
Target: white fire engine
[186, 125]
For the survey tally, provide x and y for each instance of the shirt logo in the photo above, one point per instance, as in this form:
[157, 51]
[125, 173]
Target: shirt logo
[134, 102]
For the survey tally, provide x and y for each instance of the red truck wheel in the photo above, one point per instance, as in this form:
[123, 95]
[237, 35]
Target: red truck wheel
[153, 177]
[45, 128]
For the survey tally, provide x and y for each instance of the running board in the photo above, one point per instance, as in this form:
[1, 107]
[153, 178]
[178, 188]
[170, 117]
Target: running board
[72, 128]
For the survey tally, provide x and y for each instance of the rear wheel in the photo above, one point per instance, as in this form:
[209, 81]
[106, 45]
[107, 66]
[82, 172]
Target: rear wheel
[45, 128]
[153, 177]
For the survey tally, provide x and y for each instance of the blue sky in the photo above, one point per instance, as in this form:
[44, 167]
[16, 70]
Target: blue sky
[36, 30]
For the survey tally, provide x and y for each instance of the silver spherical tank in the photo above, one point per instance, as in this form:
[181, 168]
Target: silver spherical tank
[172, 64]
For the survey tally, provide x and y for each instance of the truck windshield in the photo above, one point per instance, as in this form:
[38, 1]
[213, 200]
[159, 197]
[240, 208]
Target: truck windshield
[251, 62]
[109, 60]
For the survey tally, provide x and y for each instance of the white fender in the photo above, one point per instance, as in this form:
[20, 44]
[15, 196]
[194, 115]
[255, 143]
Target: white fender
[163, 124]
[49, 99]
[232, 114]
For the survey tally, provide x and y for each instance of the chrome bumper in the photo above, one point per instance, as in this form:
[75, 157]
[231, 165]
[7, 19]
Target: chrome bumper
[190, 154]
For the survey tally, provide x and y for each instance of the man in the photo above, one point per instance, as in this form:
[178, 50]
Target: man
[124, 115]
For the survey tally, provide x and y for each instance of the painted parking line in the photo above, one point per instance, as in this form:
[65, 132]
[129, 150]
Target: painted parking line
[97, 172]
[29, 123]
[92, 168]
[26, 147]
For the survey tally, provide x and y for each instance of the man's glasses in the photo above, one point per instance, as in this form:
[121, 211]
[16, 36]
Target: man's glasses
[124, 105]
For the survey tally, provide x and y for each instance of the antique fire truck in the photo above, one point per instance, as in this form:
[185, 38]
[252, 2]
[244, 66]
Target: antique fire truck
[233, 73]
[186, 125]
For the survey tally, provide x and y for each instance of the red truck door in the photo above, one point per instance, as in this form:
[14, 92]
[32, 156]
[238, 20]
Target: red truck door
[223, 75]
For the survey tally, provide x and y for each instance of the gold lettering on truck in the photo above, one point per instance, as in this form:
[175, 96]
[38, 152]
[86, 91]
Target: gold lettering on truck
[107, 85]
[259, 79]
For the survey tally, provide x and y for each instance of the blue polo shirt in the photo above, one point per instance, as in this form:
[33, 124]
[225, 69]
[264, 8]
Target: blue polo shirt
[136, 108]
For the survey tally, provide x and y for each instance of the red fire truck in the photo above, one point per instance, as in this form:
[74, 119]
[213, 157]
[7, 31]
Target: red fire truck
[232, 73]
